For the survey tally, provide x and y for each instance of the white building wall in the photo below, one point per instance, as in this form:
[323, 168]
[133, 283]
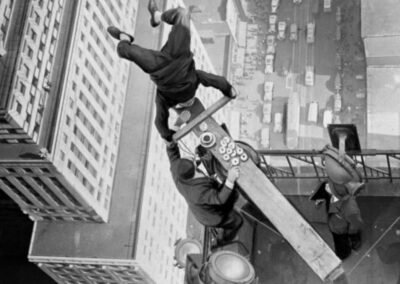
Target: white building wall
[87, 136]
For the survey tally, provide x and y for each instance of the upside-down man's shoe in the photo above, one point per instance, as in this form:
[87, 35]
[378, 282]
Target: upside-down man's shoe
[153, 8]
[233, 93]
[116, 33]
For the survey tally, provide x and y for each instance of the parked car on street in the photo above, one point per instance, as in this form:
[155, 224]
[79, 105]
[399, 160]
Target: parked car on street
[338, 15]
[338, 82]
[268, 89]
[281, 30]
[278, 122]
[327, 5]
[338, 61]
[265, 137]
[309, 78]
[267, 112]
[328, 117]
[271, 44]
[293, 32]
[310, 32]
[272, 23]
[274, 6]
[313, 112]
[269, 63]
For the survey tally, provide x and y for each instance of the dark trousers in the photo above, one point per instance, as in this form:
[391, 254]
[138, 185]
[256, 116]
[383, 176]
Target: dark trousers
[342, 245]
[149, 60]
[177, 47]
[178, 43]
[231, 225]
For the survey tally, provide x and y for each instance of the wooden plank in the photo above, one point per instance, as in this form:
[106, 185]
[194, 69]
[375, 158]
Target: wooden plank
[266, 196]
[197, 119]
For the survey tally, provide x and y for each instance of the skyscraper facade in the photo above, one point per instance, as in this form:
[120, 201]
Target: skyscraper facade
[62, 92]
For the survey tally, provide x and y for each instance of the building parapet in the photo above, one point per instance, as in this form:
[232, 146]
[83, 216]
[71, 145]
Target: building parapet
[92, 270]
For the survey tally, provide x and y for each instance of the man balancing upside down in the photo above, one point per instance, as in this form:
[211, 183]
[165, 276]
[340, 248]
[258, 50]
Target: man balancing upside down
[172, 68]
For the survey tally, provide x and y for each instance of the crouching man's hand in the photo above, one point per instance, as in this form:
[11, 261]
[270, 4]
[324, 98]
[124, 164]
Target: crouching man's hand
[233, 175]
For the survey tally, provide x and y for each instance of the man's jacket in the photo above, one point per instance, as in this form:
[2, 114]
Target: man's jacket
[201, 194]
[344, 216]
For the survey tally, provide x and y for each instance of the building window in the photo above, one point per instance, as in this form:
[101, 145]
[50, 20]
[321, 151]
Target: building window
[41, 46]
[35, 82]
[26, 70]
[37, 18]
[33, 35]
[68, 121]
[71, 102]
[62, 155]
[19, 107]
[29, 52]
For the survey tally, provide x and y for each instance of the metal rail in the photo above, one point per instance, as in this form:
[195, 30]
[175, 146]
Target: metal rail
[308, 164]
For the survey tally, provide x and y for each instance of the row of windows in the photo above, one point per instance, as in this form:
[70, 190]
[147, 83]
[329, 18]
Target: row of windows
[48, 191]
[15, 190]
[99, 61]
[99, 43]
[83, 160]
[103, 12]
[4, 24]
[94, 93]
[85, 142]
[100, 46]
[96, 77]
[78, 174]
[88, 125]
[113, 11]
[91, 109]
[35, 16]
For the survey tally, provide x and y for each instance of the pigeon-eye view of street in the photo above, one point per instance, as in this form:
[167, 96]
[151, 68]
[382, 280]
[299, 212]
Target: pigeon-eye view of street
[200, 141]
